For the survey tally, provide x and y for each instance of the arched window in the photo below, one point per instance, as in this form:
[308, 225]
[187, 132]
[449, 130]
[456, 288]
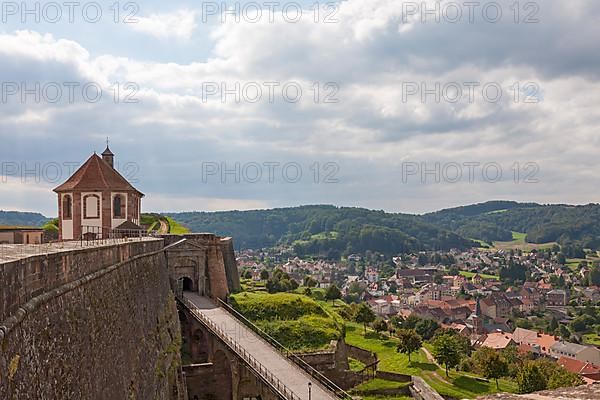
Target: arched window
[117, 203]
[91, 206]
[67, 207]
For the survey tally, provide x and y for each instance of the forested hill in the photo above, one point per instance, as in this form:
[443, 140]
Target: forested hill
[325, 229]
[335, 231]
[17, 218]
[495, 221]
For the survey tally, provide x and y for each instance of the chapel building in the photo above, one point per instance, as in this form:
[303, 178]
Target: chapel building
[96, 201]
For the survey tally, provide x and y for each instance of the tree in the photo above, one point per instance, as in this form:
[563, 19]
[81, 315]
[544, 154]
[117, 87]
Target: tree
[553, 325]
[447, 350]
[426, 328]
[364, 315]
[530, 378]
[333, 293]
[410, 341]
[310, 282]
[491, 364]
[307, 292]
[557, 376]
[514, 359]
[264, 275]
[593, 277]
[380, 325]
[564, 331]
[411, 321]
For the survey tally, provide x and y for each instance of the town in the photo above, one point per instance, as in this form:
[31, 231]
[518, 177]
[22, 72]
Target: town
[536, 301]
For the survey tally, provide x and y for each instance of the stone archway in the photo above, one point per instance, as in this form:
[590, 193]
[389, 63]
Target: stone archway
[249, 388]
[199, 348]
[222, 375]
[187, 284]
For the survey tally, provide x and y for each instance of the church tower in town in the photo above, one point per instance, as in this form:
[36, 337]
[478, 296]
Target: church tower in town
[96, 200]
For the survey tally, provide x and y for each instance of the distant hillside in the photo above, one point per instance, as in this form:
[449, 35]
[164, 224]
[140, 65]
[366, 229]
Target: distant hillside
[335, 231]
[495, 221]
[17, 218]
[325, 229]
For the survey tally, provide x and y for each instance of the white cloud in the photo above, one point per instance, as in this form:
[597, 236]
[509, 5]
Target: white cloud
[178, 24]
[369, 133]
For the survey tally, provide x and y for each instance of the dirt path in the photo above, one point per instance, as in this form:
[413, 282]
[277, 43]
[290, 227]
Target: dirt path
[430, 357]
[164, 227]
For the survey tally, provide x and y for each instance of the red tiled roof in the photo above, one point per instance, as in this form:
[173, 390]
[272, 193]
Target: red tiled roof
[578, 367]
[546, 341]
[497, 340]
[96, 174]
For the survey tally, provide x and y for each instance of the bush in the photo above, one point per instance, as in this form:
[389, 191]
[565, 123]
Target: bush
[467, 365]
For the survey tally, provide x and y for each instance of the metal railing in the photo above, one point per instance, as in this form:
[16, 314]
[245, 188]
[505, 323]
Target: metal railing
[267, 376]
[322, 379]
[100, 233]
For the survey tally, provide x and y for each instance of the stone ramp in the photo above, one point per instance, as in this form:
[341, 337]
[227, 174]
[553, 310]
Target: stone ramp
[280, 366]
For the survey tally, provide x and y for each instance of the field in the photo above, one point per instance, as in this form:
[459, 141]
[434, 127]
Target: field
[468, 274]
[519, 243]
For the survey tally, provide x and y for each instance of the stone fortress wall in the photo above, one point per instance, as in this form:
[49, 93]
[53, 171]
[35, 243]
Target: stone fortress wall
[92, 323]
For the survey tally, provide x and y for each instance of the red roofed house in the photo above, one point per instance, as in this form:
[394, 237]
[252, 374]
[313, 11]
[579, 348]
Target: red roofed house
[495, 340]
[96, 199]
[589, 372]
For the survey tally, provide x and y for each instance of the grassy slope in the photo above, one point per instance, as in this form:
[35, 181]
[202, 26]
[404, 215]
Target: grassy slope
[459, 385]
[519, 242]
[175, 227]
[295, 321]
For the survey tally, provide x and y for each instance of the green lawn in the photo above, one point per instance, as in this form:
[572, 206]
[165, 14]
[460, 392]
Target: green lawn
[459, 385]
[519, 236]
[378, 384]
[467, 274]
[175, 227]
[592, 338]
[573, 263]
[482, 244]
[389, 359]
[363, 390]
[355, 365]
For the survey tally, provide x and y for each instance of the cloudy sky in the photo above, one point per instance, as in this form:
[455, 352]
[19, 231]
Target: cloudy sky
[371, 103]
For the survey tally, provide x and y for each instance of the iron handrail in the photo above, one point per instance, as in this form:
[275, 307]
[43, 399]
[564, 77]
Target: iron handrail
[262, 371]
[339, 392]
[100, 233]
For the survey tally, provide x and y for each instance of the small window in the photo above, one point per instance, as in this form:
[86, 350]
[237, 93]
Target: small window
[67, 207]
[117, 202]
[91, 206]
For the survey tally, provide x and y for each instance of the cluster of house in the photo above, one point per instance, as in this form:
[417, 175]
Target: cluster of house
[296, 268]
[487, 320]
